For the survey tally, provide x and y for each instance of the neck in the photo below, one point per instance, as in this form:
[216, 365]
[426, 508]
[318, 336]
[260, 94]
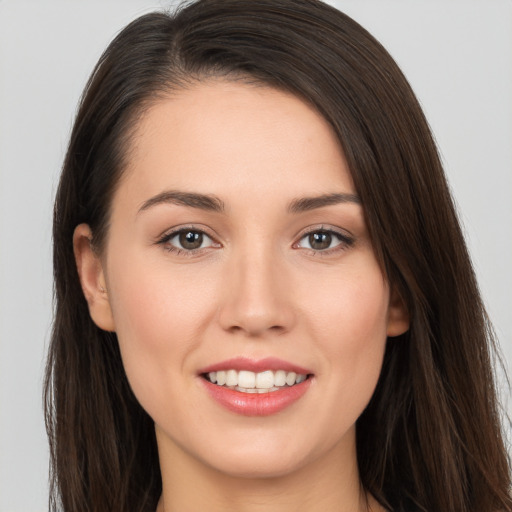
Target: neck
[328, 484]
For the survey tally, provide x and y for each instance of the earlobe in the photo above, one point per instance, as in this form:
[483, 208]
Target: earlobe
[92, 278]
[398, 315]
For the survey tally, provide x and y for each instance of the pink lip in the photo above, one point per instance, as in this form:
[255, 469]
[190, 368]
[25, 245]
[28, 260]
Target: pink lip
[244, 363]
[255, 404]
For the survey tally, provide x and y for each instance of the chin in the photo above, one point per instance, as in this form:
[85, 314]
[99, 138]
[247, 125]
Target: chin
[262, 456]
[262, 466]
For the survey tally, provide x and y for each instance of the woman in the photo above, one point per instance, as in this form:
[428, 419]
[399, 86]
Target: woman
[264, 300]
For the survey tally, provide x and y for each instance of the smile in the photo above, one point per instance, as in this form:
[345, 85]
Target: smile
[256, 387]
[251, 382]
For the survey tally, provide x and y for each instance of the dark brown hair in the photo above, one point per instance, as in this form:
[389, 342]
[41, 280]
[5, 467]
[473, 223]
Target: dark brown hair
[430, 439]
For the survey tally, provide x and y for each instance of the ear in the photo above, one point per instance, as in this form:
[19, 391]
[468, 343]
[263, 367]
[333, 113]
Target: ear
[398, 315]
[92, 278]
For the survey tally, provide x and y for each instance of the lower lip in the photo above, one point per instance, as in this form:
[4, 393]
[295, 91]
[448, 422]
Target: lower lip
[256, 404]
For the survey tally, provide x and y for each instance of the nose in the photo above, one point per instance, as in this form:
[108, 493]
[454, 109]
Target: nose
[257, 296]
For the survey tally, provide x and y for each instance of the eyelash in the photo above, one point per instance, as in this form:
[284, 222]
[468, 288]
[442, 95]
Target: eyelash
[167, 237]
[345, 241]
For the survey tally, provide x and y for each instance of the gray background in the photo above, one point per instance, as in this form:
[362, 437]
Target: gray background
[457, 55]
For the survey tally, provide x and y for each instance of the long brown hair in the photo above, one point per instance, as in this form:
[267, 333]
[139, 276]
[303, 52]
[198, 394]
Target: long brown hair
[430, 439]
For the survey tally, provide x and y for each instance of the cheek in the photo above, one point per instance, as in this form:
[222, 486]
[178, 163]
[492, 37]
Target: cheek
[154, 302]
[158, 315]
[349, 308]
[349, 322]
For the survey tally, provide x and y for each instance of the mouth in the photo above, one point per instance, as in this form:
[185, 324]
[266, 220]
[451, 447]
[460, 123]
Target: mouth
[256, 388]
[246, 381]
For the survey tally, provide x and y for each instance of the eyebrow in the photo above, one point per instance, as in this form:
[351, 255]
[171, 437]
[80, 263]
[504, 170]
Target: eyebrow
[305, 204]
[191, 199]
[213, 203]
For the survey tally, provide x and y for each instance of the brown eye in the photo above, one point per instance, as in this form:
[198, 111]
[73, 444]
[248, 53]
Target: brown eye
[324, 240]
[187, 240]
[190, 240]
[320, 240]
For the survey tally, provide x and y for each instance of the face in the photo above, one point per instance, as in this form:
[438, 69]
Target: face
[248, 303]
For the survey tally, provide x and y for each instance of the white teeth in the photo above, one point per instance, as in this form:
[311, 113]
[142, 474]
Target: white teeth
[290, 378]
[251, 382]
[247, 379]
[231, 378]
[264, 380]
[280, 378]
[255, 390]
[246, 390]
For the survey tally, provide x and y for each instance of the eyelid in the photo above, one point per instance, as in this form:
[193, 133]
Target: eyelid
[346, 239]
[170, 233]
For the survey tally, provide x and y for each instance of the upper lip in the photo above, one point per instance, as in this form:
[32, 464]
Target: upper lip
[255, 365]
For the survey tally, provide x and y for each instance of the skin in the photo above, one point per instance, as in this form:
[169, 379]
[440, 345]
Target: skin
[254, 289]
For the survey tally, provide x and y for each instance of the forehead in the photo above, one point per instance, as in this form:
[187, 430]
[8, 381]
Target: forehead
[228, 138]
